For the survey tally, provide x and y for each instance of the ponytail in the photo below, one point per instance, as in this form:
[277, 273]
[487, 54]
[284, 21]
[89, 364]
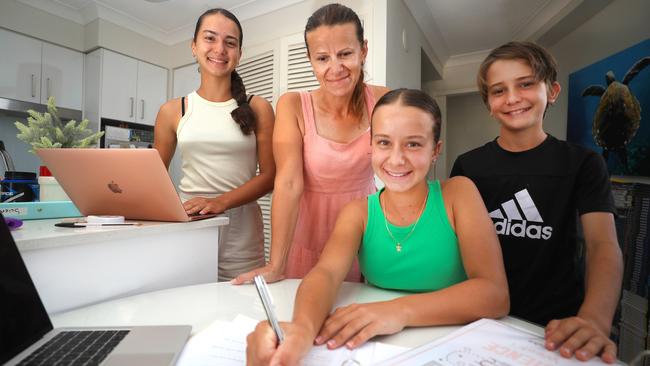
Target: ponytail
[243, 114]
[358, 97]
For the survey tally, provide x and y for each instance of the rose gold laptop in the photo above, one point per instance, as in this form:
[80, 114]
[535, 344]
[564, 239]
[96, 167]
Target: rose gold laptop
[133, 183]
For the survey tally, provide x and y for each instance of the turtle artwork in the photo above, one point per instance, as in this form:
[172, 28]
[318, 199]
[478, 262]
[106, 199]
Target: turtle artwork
[618, 115]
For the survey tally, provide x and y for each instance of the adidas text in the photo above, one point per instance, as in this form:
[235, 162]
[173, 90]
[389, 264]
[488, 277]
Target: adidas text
[522, 229]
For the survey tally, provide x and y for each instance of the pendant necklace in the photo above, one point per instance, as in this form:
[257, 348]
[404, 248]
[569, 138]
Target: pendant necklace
[398, 243]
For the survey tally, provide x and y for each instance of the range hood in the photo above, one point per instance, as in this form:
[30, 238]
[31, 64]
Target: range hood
[19, 108]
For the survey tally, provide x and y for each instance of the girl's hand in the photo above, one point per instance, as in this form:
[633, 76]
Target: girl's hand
[262, 348]
[271, 274]
[354, 324]
[204, 206]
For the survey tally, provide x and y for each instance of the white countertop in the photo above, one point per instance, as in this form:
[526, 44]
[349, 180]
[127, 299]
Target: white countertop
[42, 234]
[200, 305]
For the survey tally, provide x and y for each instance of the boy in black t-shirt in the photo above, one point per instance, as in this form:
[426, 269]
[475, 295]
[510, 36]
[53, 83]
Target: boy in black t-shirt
[535, 187]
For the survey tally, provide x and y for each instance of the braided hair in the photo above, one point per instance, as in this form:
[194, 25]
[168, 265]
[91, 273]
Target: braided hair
[243, 114]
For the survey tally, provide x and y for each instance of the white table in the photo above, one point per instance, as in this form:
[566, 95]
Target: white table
[200, 305]
[81, 266]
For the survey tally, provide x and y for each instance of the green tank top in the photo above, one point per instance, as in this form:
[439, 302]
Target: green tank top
[429, 259]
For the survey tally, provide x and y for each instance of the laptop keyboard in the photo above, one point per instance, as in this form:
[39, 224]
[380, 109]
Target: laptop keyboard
[88, 347]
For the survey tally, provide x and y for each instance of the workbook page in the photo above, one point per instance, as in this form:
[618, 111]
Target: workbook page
[224, 344]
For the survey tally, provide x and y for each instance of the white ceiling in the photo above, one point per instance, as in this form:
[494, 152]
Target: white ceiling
[459, 31]
[167, 21]
[464, 31]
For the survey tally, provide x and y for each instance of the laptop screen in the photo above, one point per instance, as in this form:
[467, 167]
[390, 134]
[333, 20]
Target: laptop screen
[23, 319]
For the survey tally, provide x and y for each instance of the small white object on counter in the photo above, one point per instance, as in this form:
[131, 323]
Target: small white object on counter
[104, 219]
[51, 190]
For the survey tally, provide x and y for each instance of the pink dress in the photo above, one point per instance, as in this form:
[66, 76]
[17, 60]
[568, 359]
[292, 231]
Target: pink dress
[334, 174]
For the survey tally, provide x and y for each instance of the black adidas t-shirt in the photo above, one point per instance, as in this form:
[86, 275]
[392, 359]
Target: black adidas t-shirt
[534, 198]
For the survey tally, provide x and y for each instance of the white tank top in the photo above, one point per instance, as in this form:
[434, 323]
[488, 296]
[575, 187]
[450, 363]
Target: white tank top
[216, 156]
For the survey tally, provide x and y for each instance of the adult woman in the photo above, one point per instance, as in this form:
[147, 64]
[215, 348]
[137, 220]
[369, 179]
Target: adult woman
[322, 145]
[222, 135]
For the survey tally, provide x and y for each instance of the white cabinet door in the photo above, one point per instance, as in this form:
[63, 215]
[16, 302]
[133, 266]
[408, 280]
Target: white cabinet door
[186, 80]
[20, 67]
[119, 79]
[152, 92]
[62, 76]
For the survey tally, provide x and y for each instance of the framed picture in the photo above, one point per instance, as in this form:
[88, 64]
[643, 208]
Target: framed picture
[609, 110]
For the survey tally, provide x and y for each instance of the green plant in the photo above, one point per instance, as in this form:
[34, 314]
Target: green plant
[45, 130]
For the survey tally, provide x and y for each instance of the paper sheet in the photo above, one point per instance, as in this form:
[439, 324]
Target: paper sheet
[486, 343]
[224, 344]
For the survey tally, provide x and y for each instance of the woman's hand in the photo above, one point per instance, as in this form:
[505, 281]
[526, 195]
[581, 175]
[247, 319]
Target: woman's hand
[262, 345]
[354, 324]
[204, 206]
[271, 274]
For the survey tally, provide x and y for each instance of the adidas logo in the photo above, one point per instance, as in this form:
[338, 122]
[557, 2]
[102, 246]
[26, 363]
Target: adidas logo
[530, 225]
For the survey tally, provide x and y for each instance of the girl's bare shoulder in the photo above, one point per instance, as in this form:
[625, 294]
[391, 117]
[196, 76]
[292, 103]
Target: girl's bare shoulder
[457, 187]
[170, 112]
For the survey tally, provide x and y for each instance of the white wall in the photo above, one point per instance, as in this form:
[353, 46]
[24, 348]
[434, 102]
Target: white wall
[405, 41]
[36, 23]
[468, 125]
[620, 25]
[122, 40]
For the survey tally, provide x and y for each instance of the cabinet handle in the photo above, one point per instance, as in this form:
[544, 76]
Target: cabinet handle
[132, 102]
[48, 91]
[142, 109]
[32, 87]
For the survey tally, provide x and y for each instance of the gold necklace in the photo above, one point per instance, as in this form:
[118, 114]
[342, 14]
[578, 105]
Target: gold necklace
[398, 244]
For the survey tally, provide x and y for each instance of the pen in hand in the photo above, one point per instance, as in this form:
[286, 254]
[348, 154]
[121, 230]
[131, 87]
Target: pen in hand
[267, 302]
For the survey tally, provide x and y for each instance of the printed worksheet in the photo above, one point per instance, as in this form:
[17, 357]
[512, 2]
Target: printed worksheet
[486, 342]
[224, 344]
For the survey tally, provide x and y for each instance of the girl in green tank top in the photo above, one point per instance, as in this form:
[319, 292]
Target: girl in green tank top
[432, 239]
[423, 256]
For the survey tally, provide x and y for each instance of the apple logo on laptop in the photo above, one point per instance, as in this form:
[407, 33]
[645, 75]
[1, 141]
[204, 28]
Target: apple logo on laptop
[114, 187]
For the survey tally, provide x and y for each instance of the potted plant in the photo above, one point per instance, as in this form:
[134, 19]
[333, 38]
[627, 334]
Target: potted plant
[46, 130]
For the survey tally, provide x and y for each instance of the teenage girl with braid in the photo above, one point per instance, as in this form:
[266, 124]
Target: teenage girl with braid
[222, 135]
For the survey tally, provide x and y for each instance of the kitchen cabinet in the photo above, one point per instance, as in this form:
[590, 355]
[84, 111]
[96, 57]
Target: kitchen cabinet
[62, 76]
[131, 90]
[34, 70]
[151, 92]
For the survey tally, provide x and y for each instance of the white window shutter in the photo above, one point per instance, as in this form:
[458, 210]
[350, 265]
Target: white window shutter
[258, 74]
[299, 73]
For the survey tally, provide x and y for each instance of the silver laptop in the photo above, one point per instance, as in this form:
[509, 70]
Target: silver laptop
[133, 183]
[28, 338]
